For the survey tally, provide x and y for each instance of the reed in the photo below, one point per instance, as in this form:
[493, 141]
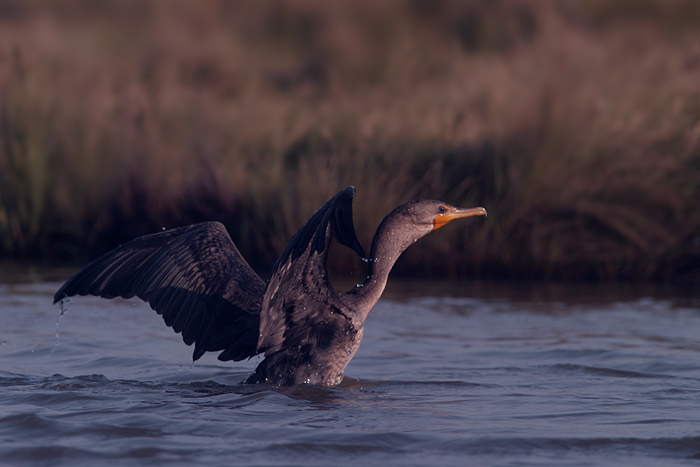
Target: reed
[576, 124]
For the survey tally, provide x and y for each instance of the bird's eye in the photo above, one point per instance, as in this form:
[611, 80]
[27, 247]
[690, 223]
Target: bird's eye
[442, 209]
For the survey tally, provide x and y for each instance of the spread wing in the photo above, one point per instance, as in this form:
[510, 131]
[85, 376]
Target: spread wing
[299, 299]
[194, 276]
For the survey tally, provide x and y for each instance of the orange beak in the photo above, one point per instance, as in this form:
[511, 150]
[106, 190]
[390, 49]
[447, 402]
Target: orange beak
[456, 213]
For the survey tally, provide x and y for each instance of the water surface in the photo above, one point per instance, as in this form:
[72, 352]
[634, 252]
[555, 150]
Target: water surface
[447, 374]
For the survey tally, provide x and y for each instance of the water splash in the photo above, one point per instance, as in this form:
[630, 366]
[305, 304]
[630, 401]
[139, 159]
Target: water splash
[63, 307]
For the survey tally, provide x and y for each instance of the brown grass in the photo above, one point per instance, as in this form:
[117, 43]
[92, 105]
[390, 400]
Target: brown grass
[575, 123]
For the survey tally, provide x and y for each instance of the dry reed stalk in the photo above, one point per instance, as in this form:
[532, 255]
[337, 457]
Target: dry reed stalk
[577, 124]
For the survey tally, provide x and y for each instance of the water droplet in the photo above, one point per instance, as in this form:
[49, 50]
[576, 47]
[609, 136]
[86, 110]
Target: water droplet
[62, 306]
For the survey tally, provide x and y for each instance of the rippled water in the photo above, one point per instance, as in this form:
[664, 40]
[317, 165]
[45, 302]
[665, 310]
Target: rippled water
[446, 375]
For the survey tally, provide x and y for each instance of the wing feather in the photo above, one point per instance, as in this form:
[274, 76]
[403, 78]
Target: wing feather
[193, 276]
[299, 295]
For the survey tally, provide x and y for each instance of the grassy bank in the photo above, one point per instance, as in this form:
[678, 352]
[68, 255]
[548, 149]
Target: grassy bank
[575, 123]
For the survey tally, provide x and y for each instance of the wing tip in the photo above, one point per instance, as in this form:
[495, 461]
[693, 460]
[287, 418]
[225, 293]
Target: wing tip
[348, 191]
[61, 293]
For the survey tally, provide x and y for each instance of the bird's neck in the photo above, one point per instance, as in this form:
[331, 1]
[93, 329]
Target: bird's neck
[387, 246]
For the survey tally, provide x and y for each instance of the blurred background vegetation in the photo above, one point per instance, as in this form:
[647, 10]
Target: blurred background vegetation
[576, 123]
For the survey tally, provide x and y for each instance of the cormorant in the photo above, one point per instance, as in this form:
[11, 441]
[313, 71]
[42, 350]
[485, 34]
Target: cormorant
[195, 277]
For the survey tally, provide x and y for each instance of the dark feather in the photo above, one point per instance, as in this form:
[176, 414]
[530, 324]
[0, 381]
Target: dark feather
[193, 276]
[337, 211]
[299, 296]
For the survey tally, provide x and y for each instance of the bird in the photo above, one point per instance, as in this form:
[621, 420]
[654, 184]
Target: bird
[195, 277]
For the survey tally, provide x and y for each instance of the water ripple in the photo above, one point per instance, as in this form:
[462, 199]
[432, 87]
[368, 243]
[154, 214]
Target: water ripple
[437, 381]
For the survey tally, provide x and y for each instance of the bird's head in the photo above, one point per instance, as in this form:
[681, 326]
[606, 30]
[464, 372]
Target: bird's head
[413, 220]
[429, 215]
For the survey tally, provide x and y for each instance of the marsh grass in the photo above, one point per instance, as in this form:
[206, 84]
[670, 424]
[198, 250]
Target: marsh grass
[575, 123]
